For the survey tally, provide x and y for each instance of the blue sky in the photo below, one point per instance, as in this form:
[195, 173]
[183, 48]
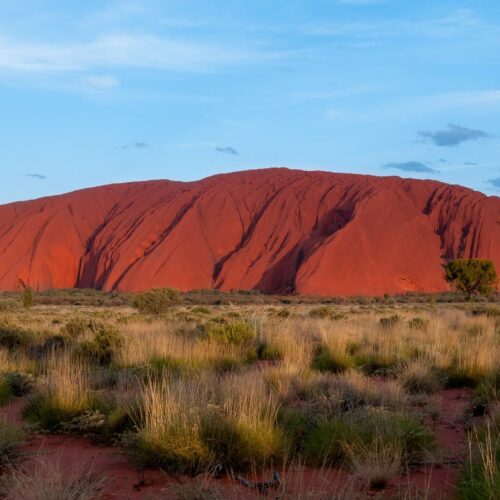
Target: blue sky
[98, 92]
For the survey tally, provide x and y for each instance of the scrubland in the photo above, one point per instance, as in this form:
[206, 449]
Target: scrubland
[240, 390]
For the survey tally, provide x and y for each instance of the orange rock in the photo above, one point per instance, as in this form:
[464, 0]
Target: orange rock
[275, 230]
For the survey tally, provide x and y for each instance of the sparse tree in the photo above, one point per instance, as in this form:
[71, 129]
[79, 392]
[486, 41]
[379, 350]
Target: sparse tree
[27, 293]
[472, 276]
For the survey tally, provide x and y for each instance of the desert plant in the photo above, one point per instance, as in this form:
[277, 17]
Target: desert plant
[156, 301]
[235, 333]
[102, 348]
[480, 478]
[11, 438]
[327, 361]
[471, 276]
[50, 481]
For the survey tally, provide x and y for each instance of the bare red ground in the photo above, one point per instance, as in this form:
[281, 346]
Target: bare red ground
[123, 481]
[274, 230]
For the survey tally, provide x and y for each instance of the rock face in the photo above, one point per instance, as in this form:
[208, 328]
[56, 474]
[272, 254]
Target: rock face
[275, 230]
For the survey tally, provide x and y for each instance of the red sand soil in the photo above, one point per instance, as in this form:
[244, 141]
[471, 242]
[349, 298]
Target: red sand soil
[123, 481]
[274, 230]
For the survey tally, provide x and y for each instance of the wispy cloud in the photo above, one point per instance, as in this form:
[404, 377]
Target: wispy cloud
[37, 176]
[102, 81]
[411, 166]
[135, 145]
[227, 150]
[453, 135]
[124, 50]
[458, 22]
[362, 2]
[471, 163]
[494, 182]
[468, 99]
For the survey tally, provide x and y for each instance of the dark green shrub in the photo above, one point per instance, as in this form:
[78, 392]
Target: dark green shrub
[102, 348]
[480, 477]
[265, 352]
[20, 383]
[419, 324]
[156, 301]
[390, 321]
[13, 337]
[325, 445]
[320, 312]
[326, 361]
[5, 391]
[11, 438]
[76, 327]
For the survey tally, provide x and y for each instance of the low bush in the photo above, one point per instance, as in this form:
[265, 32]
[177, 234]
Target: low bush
[326, 361]
[268, 352]
[13, 337]
[330, 441]
[480, 477]
[236, 333]
[238, 445]
[419, 377]
[5, 391]
[11, 438]
[156, 301]
[418, 324]
[389, 321]
[102, 348]
[320, 312]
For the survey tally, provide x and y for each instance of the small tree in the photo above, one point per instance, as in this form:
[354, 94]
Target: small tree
[472, 276]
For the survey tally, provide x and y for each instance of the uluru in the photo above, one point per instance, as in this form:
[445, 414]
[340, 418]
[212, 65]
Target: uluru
[274, 230]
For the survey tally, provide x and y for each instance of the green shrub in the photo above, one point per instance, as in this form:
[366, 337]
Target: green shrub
[390, 321]
[11, 438]
[266, 352]
[156, 301]
[20, 383]
[5, 391]
[76, 327]
[236, 333]
[239, 446]
[102, 348]
[480, 477]
[325, 445]
[326, 361]
[13, 337]
[200, 310]
[320, 312]
[418, 324]
[179, 450]
[328, 443]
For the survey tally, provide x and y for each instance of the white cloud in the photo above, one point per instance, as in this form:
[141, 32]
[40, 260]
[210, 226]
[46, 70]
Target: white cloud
[332, 114]
[102, 81]
[122, 50]
[457, 22]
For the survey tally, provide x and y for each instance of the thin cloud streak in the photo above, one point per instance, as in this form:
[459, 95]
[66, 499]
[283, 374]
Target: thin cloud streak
[124, 50]
[37, 176]
[411, 166]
